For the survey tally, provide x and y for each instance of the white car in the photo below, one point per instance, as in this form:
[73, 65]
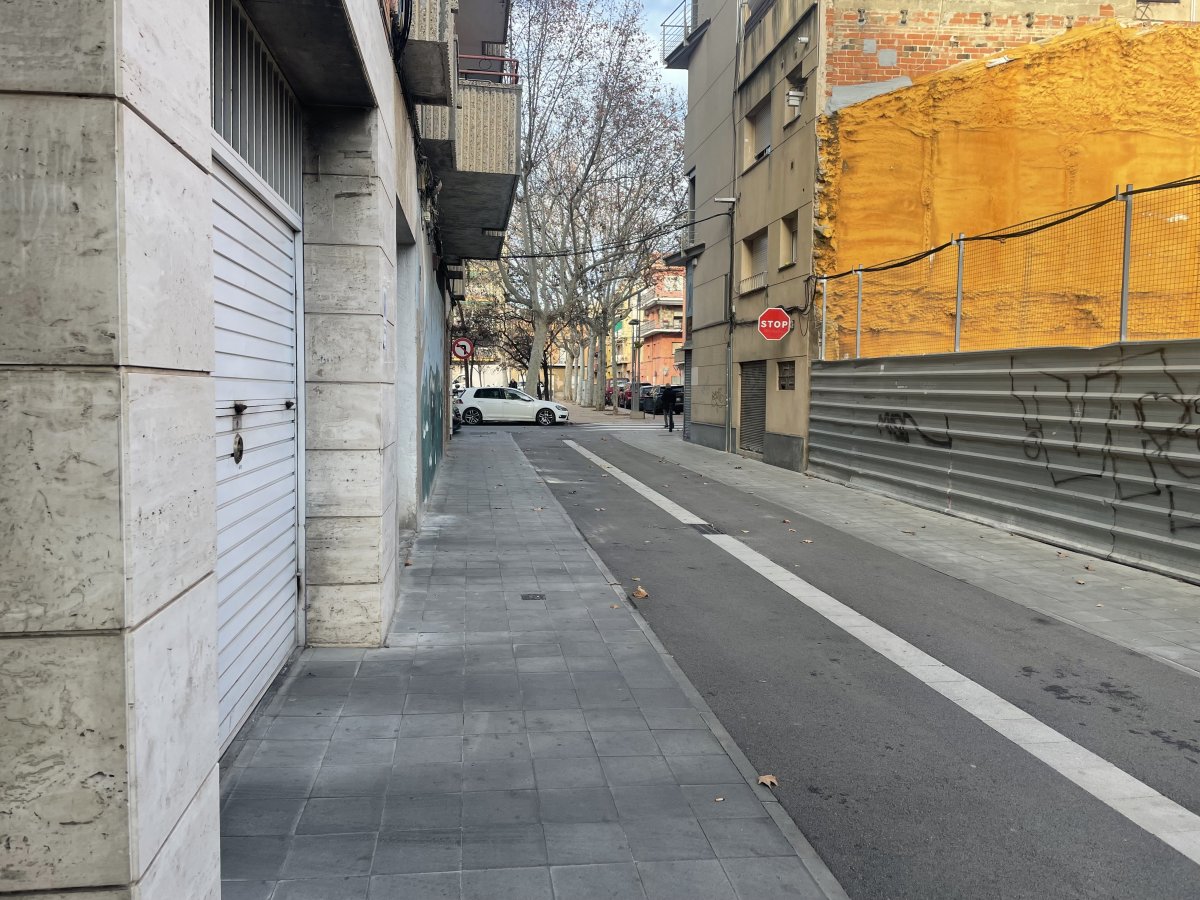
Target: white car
[494, 404]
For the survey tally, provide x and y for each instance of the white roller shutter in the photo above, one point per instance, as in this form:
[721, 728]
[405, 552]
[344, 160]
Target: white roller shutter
[255, 373]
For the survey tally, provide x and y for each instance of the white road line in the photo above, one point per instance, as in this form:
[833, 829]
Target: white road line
[1141, 804]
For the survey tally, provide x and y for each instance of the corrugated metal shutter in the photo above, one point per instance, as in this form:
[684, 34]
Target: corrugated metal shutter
[687, 394]
[257, 554]
[753, 424]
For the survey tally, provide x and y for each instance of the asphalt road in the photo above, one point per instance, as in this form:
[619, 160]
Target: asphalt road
[904, 794]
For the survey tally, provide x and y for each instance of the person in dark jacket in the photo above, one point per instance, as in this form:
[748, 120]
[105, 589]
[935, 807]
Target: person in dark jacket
[668, 406]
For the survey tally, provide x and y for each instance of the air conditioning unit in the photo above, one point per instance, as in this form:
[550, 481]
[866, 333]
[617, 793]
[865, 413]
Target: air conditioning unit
[795, 98]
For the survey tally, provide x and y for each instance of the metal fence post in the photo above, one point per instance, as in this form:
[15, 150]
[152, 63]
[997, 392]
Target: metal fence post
[958, 294]
[1126, 256]
[824, 315]
[858, 317]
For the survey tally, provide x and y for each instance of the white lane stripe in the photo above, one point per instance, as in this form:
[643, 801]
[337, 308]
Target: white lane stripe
[652, 495]
[1141, 804]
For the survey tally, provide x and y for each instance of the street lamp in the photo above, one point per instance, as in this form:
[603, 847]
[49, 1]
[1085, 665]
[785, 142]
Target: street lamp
[729, 201]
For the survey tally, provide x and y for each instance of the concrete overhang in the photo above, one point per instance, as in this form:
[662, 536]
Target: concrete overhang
[474, 207]
[681, 55]
[313, 43]
[684, 256]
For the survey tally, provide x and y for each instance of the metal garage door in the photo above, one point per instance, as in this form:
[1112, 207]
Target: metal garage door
[687, 395]
[257, 548]
[753, 425]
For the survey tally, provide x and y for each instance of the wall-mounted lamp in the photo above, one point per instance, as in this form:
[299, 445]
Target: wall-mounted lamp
[862, 16]
[987, 20]
[1029, 20]
[904, 17]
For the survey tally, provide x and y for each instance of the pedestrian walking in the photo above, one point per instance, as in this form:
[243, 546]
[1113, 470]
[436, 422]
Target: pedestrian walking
[668, 404]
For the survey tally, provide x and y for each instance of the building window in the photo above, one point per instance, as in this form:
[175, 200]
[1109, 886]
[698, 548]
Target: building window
[754, 263]
[788, 251]
[787, 376]
[757, 133]
[797, 96]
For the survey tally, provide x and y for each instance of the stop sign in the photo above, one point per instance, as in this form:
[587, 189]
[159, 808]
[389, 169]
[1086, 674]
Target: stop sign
[775, 323]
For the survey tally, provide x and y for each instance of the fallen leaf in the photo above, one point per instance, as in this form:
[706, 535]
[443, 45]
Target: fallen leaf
[768, 780]
[720, 799]
[640, 594]
[1062, 555]
[906, 531]
[787, 521]
[635, 578]
[791, 531]
[1077, 581]
[408, 562]
[603, 476]
[601, 509]
[744, 531]
[539, 509]
[615, 606]
[808, 540]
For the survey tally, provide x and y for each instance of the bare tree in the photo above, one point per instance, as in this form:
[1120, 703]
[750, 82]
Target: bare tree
[599, 170]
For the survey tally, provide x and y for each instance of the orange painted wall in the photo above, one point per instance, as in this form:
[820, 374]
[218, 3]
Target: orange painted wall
[974, 149]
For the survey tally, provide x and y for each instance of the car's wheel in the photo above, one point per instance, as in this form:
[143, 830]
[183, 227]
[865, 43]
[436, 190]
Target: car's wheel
[472, 416]
[545, 417]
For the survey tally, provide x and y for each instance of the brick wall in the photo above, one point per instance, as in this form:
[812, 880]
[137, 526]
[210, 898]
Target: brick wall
[924, 40]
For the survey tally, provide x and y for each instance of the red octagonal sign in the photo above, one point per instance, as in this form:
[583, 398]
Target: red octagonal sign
[775, 323]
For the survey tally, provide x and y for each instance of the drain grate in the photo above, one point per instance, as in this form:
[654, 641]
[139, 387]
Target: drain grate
[533, 597]
[708, 528]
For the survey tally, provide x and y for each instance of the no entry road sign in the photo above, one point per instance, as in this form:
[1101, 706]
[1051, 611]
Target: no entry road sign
[775, 323]
[462, 348]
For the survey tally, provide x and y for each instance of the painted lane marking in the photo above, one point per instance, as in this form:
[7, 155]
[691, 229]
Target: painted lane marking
[1141, 804]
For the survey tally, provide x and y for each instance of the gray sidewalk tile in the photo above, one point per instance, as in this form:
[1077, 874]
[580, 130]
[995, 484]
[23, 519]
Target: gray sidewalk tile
[271, 784]
[351, 781]
[430, 778]
[776, 878]
[696, 879]
[364, 727]
[703, 769]
[322, 855]
[571, 772]
[254, 858]
[625, 743]
[607, 880]
[503, 846]
[289, 753]
[243, 818]
[345, 888]
[507, 884]
[584, 843]
[430, 886]
[723, 801]
[574, 805]
[560, 744]
[337, 815]
[554, 720]
[654, 801]
[410, 852]
[247, 890]
[360, 752]
[623, 771]
[500, 807]
[687, 743]
[652, 840]
[731, 838]
[432, 725]
[405, 812]
[498, 775]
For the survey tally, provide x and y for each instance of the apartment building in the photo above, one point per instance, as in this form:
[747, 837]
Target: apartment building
[229, 232]
[660, 327]
[763, 77]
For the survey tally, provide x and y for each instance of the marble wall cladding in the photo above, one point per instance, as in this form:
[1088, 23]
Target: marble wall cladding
[347, 550]
[172, 676]
[349, 348]
[341, 416]
[349, 209]
[346, 614]
[59, 230]
[344, 483]
[64, 803]
[189, 863]
[167, 289]
[168, 489]
[59, 46]
[348, 279]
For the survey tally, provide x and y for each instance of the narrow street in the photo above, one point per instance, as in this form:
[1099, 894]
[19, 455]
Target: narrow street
[901, 791]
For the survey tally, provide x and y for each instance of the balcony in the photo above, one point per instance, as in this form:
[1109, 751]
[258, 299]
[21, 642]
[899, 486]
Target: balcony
[472, 148]
[672, 328]
[425, 64]
[680, 34]
[754, 283]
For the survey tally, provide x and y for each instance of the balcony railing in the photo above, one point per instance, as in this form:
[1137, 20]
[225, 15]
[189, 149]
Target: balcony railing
[755, 282]
[675, 328]
[678, 27]
[496, 69]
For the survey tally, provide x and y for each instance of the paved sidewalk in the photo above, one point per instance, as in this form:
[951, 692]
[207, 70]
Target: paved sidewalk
[1153, 614]
[522, 737]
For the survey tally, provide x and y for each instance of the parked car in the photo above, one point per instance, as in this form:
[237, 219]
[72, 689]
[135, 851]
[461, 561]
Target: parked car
[654, 402]
[623, 397]
[646, 398]
[622, 386]
[496, 404]
[455, 418]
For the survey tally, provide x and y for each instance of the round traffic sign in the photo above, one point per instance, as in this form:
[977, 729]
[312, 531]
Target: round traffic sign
[775, 323]
[462, 348]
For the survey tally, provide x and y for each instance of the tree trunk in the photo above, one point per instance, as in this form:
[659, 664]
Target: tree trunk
[537, 350]
[602, 387]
